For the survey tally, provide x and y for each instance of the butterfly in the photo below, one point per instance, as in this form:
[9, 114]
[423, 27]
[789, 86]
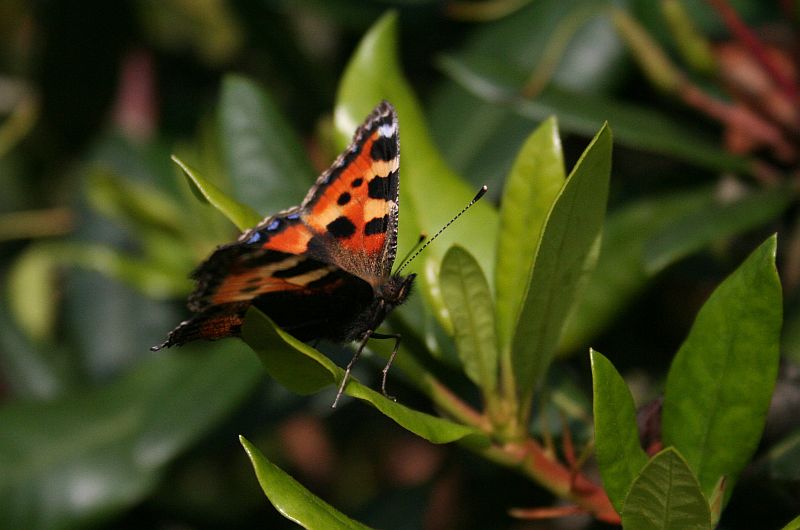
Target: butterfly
[320, 270]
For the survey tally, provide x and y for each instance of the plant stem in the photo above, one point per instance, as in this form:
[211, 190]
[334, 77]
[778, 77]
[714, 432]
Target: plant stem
[530, 459]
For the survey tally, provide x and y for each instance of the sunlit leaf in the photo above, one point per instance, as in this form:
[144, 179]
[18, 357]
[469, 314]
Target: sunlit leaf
[239, 214]
[469, 301]
[305, 370]
[533, 184]
[293, 500]
[572, 228]
[616, 434]
[720, 383]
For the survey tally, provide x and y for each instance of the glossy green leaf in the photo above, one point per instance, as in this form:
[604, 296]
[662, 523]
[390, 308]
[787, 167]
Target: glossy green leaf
[469, 301]
[85, 457]
[616, 434]
[716, 221]
[266, 163]
[720, 383]
[583, 113]
[292, 499]
[572, 227]
[530, 190]
[666, 496]
[430, 193]
[239, 214]
[620, 274]
[303, 369]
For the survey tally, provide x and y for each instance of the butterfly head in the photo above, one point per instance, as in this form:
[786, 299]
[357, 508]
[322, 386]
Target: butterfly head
[391, 294]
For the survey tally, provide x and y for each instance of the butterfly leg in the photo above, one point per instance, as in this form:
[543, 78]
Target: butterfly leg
[350, 365]
[396, 338]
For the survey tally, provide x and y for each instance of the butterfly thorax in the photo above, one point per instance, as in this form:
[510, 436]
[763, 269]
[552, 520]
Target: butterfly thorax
[388, 295]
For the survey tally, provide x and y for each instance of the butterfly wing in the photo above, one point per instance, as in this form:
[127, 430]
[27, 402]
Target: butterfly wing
[353, 207]
[269, 267]
[314, 268]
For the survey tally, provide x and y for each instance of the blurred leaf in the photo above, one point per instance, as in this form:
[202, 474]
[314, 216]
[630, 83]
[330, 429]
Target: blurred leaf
[31, 371]
[293, 500]
[239, 214]
[713, 222]
[530, 190]
[720, 383]
[88, 456]
[305, 370]
[133, 202]
[619, 452]
[620, 274]
[783, 459]
[32, 292]
[635, 127]
[469, 301]
[265, 160]
[572, 227]
[666, 496]
[430, 193]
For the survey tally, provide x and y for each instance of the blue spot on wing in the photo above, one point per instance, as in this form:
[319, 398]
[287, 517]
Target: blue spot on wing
[255, 238]
[274, 225]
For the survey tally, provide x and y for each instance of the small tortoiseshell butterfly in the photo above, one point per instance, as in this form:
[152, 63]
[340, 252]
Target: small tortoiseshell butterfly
[321, 270]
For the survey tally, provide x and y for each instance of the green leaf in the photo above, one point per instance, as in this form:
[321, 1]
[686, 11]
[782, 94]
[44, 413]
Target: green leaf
[531, 188]
[293, 500]
[239, 214]
[666, 496]
[305, 370]
[572, 227]
[720, 383]
[265, 159]
[714, 222]
[616, 434]
[469, 301]
[794, 524]
[430, 193]
[583, 113]
[79, 460]
[620, 275]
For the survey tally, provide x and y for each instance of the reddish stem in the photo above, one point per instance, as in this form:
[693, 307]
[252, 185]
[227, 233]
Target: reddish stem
[754, 46]
[532, 460]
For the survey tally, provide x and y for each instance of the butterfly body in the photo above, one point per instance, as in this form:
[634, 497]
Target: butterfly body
[320, 270]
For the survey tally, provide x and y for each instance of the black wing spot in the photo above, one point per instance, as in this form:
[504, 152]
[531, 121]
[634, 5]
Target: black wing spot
[343, 199]
[384, 148]
[341, 227]
[378, 225]
[381, 187]
[357, 182]
[248, 289]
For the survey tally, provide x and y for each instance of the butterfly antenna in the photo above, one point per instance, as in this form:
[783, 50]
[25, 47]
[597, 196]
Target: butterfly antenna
[481, 193]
